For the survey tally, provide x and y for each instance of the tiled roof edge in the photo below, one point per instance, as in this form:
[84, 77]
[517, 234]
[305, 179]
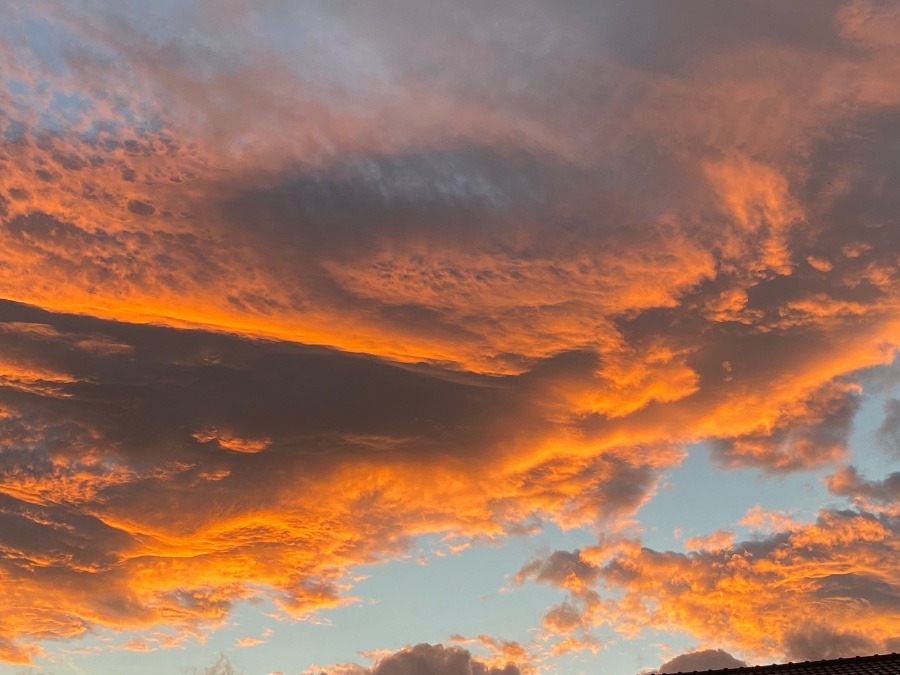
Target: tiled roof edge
[775, 667]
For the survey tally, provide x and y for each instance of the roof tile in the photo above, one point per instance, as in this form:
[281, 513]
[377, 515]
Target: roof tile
[878, 664]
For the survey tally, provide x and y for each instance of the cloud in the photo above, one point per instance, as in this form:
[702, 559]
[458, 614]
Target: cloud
[870, 23]
[813, 431]
[109, 476]
[233, 443]
[426, 659]
[718, 540]
[762, 520]
[566, 626]
[468, 185]
[815, 642]
[878, 496]
[889, 431]
[258, 292]
[437, 661]
[815, 591]
[560, 568]
[702, 659]
[502, 652]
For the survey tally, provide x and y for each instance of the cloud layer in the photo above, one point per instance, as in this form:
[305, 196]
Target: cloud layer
[293, 284]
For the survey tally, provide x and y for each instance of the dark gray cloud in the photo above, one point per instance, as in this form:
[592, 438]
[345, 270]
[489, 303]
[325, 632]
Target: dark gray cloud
[672, 39]
[868, 589]
[883, 495]
[560, 568]
[427, 659]
[164, 385]
[568, 625]
[702, 659]
[814, 641]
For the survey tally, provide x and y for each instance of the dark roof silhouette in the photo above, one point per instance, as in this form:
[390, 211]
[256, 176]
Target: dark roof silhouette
[879, 664]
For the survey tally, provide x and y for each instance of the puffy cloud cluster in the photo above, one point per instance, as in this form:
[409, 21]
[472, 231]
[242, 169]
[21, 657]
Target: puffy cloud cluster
[702, 659]
[819, 590]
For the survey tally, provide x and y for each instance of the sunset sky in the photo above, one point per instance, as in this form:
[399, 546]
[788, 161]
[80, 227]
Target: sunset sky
[410, 337]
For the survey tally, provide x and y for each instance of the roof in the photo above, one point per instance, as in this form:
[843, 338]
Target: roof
[879, 664]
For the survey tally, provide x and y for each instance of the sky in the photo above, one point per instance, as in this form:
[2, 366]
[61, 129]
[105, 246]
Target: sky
[410, 337]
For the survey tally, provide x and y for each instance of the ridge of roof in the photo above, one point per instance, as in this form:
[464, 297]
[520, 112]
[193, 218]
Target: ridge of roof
[800, 666]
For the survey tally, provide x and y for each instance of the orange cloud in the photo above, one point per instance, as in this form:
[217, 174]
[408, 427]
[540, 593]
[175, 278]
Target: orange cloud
[757, 197]
[502, 652]
[762, 520]
[233, 443]
[875, 496]
[823, 589]
[167, 538]
[170, 542]
[718, 540]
